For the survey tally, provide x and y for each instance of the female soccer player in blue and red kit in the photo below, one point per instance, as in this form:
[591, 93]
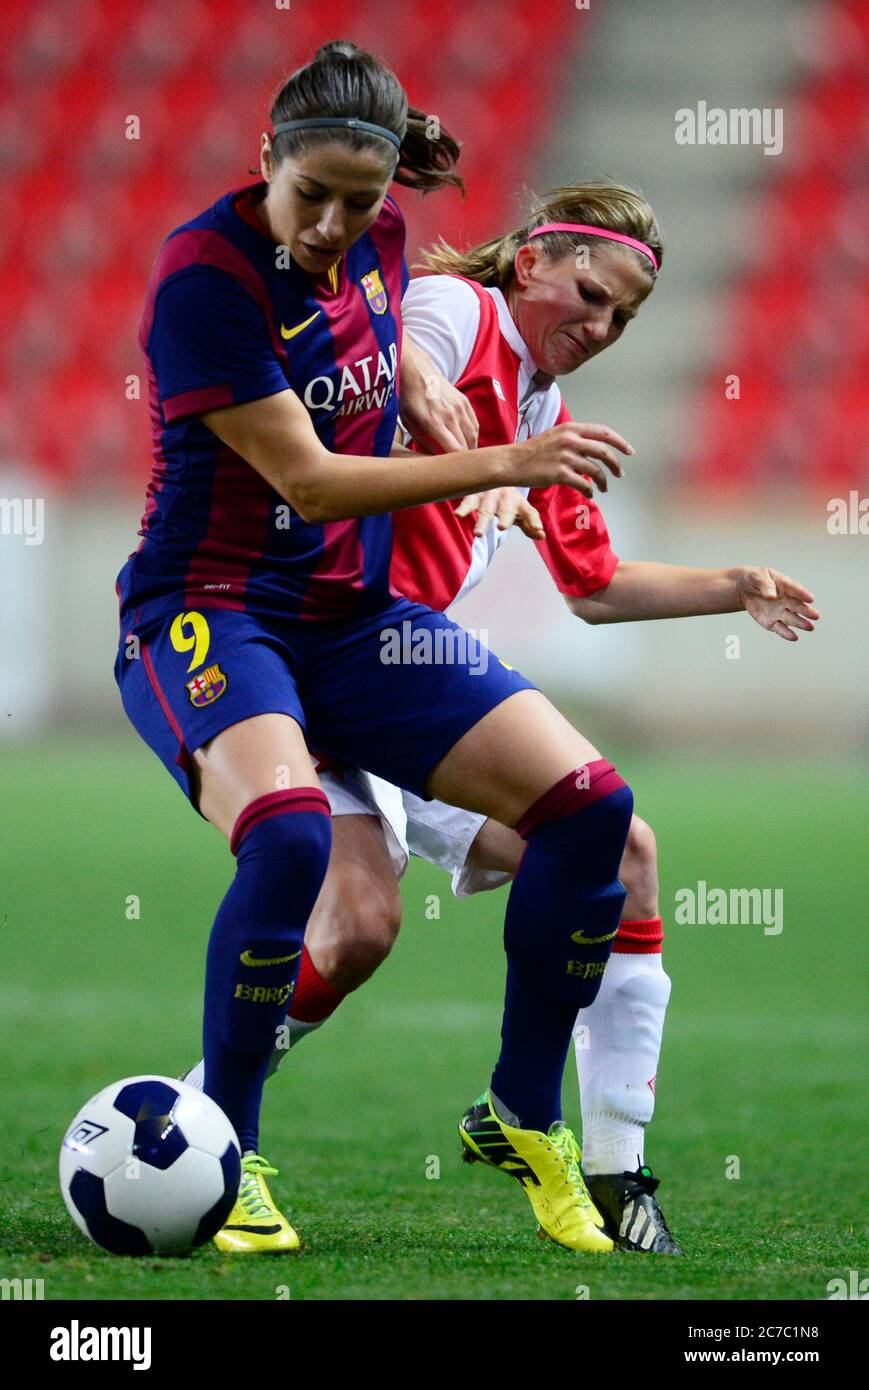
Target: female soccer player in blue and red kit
[259, 595]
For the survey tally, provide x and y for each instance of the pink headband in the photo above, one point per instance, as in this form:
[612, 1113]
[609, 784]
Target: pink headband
[597, 231]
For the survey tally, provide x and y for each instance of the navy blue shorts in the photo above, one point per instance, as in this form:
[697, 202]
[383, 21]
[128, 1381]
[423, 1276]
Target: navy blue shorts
[390, 692]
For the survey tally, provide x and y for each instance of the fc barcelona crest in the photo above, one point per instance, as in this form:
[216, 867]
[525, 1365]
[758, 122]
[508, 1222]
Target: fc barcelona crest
[374, 291]
[207, 687]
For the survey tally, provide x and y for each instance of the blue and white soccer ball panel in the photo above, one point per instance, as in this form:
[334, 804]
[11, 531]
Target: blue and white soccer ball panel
[159, 1202]
[202, 1120]
[149, 1164]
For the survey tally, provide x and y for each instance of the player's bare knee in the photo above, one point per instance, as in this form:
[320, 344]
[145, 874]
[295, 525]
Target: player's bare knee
[362, 934]
[639, 870]
[495, 847]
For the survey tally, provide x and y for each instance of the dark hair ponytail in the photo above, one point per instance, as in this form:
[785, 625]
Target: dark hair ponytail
[428, 154]
[343, 80]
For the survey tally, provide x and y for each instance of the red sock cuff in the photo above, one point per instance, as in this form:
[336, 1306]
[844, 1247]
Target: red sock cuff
[640, 938]
[573, 793]
[278, 804]
[313, 998]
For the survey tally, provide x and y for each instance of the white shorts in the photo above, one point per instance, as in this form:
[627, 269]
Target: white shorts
[355, 793]
[431, 830]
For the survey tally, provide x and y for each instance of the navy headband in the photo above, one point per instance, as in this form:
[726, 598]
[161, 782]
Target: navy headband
[348, 122]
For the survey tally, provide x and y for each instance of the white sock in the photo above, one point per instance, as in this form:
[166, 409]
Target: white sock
[291, 1034]
[618, 1043]
[196, 1075]
[295, 1031]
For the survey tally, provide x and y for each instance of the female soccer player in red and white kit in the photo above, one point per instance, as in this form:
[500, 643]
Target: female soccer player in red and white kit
[253, 611]
[502, 322]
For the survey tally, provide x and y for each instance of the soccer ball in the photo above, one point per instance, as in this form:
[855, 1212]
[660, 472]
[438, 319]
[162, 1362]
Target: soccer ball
[149, 1166]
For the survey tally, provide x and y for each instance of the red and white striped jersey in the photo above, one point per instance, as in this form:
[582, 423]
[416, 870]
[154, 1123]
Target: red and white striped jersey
[470, 335]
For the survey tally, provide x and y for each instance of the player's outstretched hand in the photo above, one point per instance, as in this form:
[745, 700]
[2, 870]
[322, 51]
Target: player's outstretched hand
[573, 455]
[507, 506]
[779, 604]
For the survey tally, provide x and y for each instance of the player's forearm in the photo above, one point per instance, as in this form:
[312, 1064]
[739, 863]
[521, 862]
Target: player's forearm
[414, 361]
[641, 590]
[341, 486]
[276, 438]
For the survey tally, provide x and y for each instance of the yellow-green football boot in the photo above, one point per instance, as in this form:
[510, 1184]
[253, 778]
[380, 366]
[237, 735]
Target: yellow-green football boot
[255, 1226]
[547, 1166]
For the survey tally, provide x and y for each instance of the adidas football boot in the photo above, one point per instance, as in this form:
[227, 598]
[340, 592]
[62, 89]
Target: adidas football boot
[631, 1213]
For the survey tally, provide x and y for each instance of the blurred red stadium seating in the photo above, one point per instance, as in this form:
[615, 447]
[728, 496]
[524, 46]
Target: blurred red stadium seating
[797, 320]
[84, 208]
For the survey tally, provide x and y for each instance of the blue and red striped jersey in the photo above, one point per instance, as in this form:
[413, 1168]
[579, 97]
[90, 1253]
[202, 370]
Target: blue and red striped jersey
[229, 317]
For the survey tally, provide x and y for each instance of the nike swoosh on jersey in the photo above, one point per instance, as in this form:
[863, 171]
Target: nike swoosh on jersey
[247, 959]
[581, 940]
[291, 332]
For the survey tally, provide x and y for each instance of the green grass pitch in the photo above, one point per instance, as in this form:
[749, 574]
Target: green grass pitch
[761, 1057]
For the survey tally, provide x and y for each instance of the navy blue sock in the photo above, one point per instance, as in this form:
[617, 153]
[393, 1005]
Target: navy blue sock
[281, 842]
[562, 917]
